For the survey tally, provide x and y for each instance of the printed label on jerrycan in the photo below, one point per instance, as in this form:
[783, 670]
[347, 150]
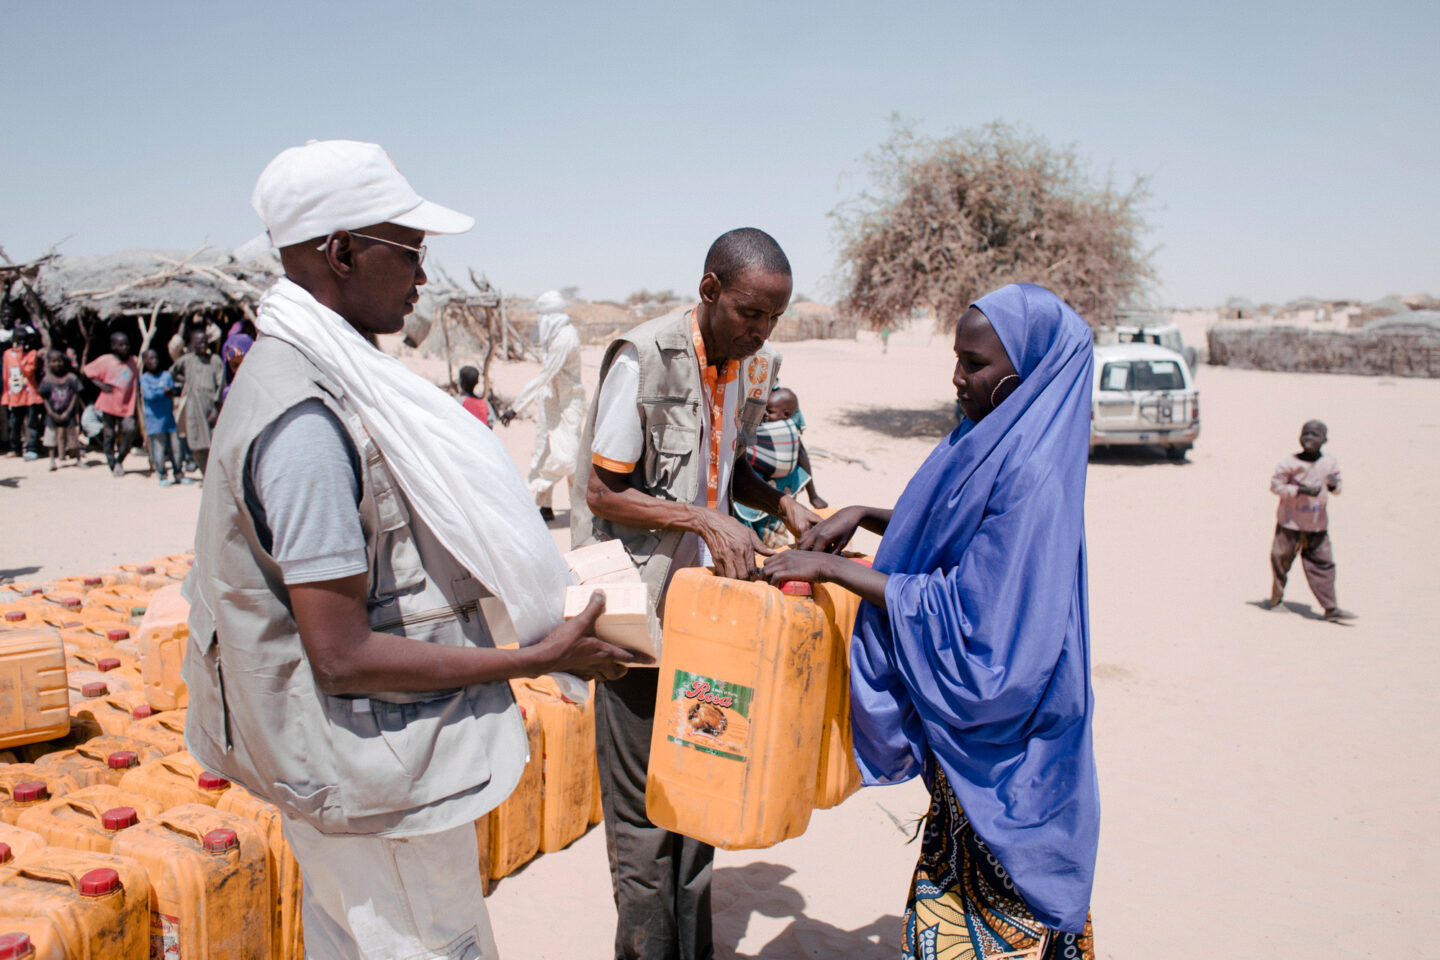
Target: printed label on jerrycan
[710, 715]
[164, 936]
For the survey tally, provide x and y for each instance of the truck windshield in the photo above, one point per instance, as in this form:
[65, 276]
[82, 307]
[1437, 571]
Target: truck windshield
[1142, 375]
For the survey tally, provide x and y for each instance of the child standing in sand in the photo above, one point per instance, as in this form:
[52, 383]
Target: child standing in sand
[61, 392]
[1304, 481]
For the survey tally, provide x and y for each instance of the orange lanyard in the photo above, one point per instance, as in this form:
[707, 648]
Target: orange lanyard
[715, 386]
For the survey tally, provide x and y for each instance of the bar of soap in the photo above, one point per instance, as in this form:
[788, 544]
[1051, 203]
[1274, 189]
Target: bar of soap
[604, 562]
[625, 622]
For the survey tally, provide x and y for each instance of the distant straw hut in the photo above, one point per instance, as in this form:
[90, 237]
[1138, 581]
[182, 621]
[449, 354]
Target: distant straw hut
[148, 294]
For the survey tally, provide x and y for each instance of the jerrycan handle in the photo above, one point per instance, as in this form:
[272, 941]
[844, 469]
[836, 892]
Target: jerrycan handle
[50, 875]
[87, 807]
[176, 827]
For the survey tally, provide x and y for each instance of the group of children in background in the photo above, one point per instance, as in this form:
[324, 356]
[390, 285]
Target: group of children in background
[46, 409]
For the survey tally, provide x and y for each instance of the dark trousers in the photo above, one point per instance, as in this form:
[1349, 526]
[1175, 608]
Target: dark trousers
[21, 419]
[117, 438]
[1315, 556]
[661, 879]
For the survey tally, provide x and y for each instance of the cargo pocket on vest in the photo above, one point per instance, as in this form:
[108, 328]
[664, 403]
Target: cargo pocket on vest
[207, 728]
[397, 566]
[672, 447]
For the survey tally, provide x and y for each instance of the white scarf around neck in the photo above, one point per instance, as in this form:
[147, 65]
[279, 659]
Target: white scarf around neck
[454, 472]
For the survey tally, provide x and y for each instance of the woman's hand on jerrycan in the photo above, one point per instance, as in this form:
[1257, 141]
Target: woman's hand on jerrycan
[832, 534]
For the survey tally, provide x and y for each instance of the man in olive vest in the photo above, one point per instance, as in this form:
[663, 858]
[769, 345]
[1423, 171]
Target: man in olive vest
[362, 542]
[678, 398]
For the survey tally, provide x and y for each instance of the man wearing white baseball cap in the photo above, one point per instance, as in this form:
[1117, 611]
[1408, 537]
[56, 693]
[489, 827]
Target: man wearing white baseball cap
[362, 543]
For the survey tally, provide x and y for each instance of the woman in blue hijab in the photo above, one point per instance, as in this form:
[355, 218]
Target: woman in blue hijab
[970, 662]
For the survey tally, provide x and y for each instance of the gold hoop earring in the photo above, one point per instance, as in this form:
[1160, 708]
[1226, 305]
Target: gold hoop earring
[1008, 376]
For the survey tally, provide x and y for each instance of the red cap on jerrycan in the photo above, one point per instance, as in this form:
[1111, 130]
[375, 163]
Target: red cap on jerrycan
[119, 633]
[208, 781]
[122, 760]
[221, 841]
[14, 616]
[99, 883]
[142, 711]
[15, 946]
[30, 791]
[118, 818]
[5, 855]
[797, 588]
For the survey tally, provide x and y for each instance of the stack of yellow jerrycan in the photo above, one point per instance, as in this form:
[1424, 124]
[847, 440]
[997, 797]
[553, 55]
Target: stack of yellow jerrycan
[89, 818]
[568, 751]
[76, 904]
[750, 709]
[285, 883]
[176, 779]
[209, 881]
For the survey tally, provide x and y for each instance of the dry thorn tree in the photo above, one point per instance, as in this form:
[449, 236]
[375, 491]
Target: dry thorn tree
[949, 220]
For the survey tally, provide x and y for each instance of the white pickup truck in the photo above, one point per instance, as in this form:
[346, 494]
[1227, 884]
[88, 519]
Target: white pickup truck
[1144, 394]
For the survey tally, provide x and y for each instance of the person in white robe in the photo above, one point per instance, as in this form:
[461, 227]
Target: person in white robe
[559, 397]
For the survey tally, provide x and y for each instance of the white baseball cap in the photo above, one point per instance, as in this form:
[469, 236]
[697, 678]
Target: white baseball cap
[330, 185]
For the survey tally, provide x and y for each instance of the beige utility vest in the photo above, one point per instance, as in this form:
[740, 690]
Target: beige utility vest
[674, 420]
[389, 764]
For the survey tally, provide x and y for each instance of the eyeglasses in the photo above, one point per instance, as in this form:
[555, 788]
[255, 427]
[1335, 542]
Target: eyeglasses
[418, 252]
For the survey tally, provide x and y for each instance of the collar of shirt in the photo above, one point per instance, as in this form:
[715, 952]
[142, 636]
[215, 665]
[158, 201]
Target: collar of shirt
[715, 382]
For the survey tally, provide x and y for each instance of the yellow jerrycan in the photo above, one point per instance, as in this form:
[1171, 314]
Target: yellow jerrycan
[838, 776]
[24, 786]
[78, 586]
[103, 759]
[162, 636]
[209, 883]
[94, 906]
[515, 824]
[126, 599]
[287, 937]
[103, 710]
[568, 753]
[19, 841]
[164, 731]
[175, 779]
[29, 938]
[89, 818]
[34, 696]
[739, 714]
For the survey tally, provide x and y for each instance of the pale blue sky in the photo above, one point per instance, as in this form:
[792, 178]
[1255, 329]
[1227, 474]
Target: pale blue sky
[1294, 148]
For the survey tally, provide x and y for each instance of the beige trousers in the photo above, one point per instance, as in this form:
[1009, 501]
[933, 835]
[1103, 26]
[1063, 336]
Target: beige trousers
[369, 898]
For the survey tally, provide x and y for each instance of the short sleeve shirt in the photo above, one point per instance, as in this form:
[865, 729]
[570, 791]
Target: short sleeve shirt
[302, 487]
[619, 440]
[120, 374]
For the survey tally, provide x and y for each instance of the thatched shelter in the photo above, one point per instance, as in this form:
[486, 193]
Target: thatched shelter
[150, 295]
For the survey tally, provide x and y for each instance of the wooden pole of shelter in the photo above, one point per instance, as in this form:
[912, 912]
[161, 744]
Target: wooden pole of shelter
[486, 392]
[445, 332]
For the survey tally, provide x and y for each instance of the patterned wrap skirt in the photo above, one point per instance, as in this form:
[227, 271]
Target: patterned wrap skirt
[963, 905]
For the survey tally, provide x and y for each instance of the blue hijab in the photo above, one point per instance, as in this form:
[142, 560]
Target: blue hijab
[982, 657]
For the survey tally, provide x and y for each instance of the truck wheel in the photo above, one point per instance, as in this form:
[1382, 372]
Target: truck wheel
[1177, 453]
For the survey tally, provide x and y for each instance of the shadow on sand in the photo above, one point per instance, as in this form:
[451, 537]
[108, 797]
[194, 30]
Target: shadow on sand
[759, 888]
[1304, 609]
[1135, 456]
[15, 573]
[927, 422]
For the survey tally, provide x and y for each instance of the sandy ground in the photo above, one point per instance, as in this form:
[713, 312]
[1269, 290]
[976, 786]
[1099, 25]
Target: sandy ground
[1268, 779]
